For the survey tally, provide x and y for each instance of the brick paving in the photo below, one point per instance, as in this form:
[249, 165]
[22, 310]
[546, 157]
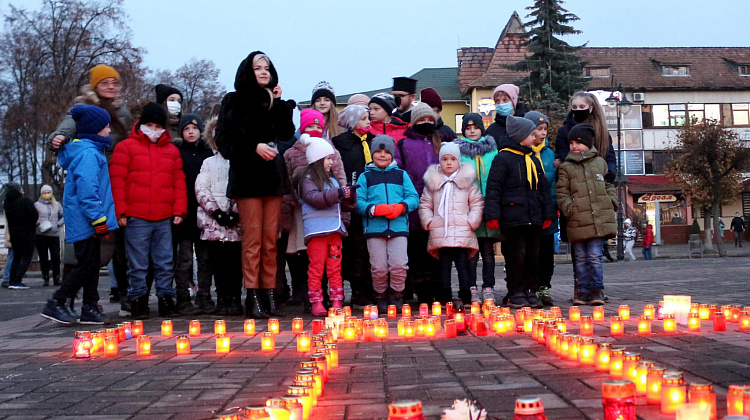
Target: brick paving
[40, 379]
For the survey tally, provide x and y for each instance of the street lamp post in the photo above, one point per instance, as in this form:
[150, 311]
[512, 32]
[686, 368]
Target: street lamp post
[623, 107]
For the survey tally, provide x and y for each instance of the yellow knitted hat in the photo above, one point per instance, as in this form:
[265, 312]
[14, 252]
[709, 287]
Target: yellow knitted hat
[101, 72]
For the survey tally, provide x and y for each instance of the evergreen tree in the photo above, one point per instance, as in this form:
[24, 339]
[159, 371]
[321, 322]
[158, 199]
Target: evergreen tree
[554, 71]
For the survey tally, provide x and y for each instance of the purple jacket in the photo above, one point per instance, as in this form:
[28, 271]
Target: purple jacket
[419, 154]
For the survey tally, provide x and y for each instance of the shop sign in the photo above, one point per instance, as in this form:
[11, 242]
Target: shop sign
[663, 198]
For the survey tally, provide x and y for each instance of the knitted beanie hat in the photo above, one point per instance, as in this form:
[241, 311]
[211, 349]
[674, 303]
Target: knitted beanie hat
[325, 89]
[422, 110]
[472, 118]
[431, 98]
[101, 72]
[450, 148]
[383, 142]
[537, 118]
[509, 89]
[350, 116]
[154, 113]
[358, 99]
[194, 119]
[582, 133]
[310, 116]
[518, 128]
[385, 100]
[316, 149]
[163, 92]
[90, 119]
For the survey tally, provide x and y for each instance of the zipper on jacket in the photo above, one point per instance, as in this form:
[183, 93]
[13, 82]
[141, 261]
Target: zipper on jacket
[387, 201]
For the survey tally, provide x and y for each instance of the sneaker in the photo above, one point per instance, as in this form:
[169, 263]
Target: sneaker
[474, 294]
[597, 298]
[186, 307]
[518, 300]
[58, 312]
[488, 293]
[533, 300]
[125, 307]
[544, 295]
[582, 299]
[93, 315]
[4, 285]
[18, 286]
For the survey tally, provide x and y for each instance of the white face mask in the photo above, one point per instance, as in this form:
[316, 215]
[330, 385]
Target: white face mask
[174, 108]
[154, 135]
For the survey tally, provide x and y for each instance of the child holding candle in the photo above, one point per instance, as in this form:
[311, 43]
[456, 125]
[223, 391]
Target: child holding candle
[451, 209]
[386, 197]
[589, 203]
[322, 197]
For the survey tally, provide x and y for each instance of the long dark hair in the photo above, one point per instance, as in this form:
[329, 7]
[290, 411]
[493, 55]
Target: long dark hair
[318, 174]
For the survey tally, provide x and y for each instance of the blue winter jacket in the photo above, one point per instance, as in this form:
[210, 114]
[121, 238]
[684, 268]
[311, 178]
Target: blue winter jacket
[87, 197]
[385, 186]
[547, 156]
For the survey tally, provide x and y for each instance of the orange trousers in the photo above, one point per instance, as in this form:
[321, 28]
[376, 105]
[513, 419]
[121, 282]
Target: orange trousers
[260, 228]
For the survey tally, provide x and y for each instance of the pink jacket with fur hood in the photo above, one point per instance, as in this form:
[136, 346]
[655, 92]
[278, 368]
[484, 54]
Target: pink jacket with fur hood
[464, 210]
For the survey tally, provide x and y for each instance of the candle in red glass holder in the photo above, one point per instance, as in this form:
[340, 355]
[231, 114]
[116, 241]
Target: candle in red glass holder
[735, 316]
[392, 312]
[303, 342]
[183, 345]
[573, 345]
[624, 312]
[424, 310]
[350, 332]
[220, 326]
[587, 352]
[137, 328]
[603, 351]
[574, 314]
[694, 322]
[305, 399]
[563, 344]
[704, 312]
[267, 342]
[166, 328]
[334, 349]
[436, 309]
[475, 307]
[366, 312]
[734, 400]
[381, 329]
[298, 325]
[629, 365]
[410, 330]
[598, 314]
[419, 324]
[529, 408]
[562, 326]
[194, 328]
[400, 330]
[618, 399]
[405, 410]
[481, 327]
[249, 327]
[430, 329]
[615, 363]
[273, 325]
[347, 311]
[222, 343]
[587, 326]
[450, 328]
[727, 309]
[276, 409]
[649, 311]
[406, 310]
[644, 325]
[616, 327]
[143, 346]
[294, 405]
[369, 331]
[670, 326]
[673, 393]
[449, 309]
[110, 332]
[110, 346]
[702, 393]
[653, 384]
[97, 342]
[641, 376]
[460, 319]
[121, 335]
[322, 364]
[317, 326]
[82, 345]
[720, 321]
[744, 321]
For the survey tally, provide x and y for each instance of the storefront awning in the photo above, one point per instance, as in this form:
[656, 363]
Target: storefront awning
[642, 184]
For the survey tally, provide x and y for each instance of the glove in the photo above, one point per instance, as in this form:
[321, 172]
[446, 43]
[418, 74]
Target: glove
[101, 230]
[381, 210]
[396, 211]
[348, 192]
[221, 217]
[547, 223]
[493, 224]
[233, 218]
[610, 177]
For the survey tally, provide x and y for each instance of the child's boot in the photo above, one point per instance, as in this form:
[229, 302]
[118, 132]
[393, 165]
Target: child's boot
[337, 297]
[488, 293]
[316, 299]
[397, 298]
[544, 294]
[533, 300]
[465, 296]
[380, 300]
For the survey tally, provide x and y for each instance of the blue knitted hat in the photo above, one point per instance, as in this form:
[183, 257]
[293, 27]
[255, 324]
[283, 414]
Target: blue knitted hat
[89, 119]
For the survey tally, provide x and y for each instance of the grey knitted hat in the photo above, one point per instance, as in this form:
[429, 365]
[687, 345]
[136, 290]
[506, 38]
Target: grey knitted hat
[537, 118]
[383, 142]
[518, 128]
[349, 117]
[421, 110]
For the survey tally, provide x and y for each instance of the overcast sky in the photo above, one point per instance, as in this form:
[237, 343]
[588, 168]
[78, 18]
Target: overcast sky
[360, 45]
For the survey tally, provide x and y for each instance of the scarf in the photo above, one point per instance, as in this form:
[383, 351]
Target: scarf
[480, 170]
[530, 167]
[443, 207]
[366, 147]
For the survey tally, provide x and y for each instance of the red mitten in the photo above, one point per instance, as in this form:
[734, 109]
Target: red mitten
[396, 210]
[381, 210]
[547, 223]
[493, 224]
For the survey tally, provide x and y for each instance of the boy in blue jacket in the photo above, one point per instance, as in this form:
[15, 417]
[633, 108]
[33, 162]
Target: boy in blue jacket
[386, 196]
[89, 214]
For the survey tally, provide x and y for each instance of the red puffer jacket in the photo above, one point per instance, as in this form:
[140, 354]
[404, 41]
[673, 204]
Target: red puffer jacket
[147, 178]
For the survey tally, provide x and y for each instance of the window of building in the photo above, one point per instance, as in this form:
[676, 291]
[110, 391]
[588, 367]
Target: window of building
[699, 112]
[673, 115]
[744, 70]
[710, 212]
[655, 161]
[596, 72]
[674, 71]
[740, 114]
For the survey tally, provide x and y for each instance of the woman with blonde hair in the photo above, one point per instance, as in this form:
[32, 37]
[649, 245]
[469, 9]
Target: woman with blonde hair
[324, 101]
[48, 234]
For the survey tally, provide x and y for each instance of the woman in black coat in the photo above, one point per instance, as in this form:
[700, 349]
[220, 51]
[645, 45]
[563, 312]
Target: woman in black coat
[21, 217]
[252, 120]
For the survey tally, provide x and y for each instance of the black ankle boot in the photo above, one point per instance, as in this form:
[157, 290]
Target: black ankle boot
[139, 308]
[235, 305]
[45, 277]
[167, 308]
[273, 308]
[222, 305]
[253, 307]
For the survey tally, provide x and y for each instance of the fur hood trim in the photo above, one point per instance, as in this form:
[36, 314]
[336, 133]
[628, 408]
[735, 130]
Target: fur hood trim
[473, 149]
[90, 97]
[434, 178]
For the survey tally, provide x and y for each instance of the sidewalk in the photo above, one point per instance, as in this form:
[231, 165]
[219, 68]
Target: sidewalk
[39, 378]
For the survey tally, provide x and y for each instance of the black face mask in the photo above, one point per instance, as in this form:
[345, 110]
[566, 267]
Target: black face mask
[580, 115]
[424, 128]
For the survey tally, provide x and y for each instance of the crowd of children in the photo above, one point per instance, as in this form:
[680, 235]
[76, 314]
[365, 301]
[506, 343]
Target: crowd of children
[359, 195]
